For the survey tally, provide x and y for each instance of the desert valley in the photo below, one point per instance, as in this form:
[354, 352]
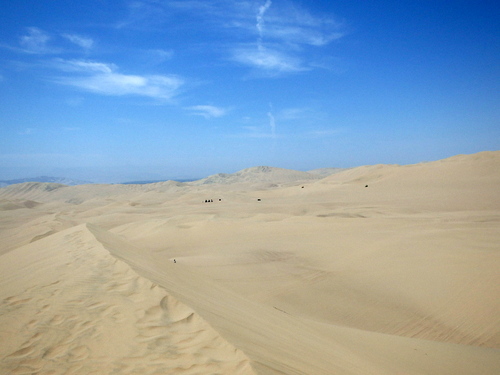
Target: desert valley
[380, 269]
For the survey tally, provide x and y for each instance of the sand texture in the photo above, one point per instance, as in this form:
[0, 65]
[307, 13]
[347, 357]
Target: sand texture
[381, 269]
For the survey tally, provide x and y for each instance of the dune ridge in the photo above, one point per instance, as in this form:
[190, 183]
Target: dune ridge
[258, 176]
[381, 269]
[93, 314]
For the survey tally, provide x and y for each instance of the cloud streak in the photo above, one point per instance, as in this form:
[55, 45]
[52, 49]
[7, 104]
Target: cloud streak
[104, 79]
[36, 41]
[268, 59]
[81, 41]
[270, 37]
[39, 42]
[272, 124]
[94, 76]
[282, 35]
[260, 17]
[207, 111]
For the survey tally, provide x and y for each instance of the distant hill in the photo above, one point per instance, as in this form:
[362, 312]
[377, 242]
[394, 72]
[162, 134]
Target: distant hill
[55, 180]
[147, 182]
[262, 174]
[326, 171]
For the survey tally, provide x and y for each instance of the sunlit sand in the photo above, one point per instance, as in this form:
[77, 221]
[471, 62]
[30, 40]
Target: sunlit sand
[382, 269]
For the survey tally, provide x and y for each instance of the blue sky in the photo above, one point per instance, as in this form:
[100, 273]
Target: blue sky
[111, 90]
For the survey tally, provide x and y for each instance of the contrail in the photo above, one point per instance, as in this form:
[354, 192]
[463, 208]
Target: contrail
[260, 17]
[272, 124]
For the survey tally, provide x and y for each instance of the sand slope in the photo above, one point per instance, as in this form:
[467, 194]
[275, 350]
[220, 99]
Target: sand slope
[320, 276]
[258, 176]
[68, 306]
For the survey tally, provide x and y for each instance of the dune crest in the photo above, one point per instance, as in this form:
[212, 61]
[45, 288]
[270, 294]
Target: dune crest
[83, 311]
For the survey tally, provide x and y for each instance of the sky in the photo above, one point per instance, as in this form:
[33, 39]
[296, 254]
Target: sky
[115, 91]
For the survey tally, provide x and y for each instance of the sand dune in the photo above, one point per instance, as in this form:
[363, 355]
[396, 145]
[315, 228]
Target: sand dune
[72, 307]
[380, 269]
[256, 176]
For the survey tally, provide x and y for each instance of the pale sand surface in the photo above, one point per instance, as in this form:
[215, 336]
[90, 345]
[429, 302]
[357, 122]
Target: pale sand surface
[322, 276]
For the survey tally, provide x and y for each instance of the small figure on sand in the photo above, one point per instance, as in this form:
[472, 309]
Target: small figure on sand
[175, 261]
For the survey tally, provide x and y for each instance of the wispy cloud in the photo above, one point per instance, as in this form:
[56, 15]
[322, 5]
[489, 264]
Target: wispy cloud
[273, 37]
[40, 42]
[296, 113]
[282, 34]
[258, 128]
[272, 123]
[143, 14]
[207, 111]
[95, 76]
[81, 41]
[27, 131]
[268, 59]
[325, 132]
[36, 41]
[260, 18]
[265, 57]
[102, 78]
[252, 132]
[83, 66]
[74, 102]
[296, 34]
[159, 55]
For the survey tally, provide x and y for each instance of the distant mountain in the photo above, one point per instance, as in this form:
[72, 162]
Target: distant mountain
[56, 180]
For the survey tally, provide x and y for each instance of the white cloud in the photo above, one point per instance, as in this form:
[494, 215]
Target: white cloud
[252, 133]
[297, 35]
[270, 36]
[160, 55]
[192, 5]
[74, 102]
[36, 41]
[27, 131]
[268, 59]
[84, 66]
[272, 123]
[290, 114]
[259, 129]
[207, 111]
[325, 132]
[104, 79]
[260, 16]
[143, 14]
[81, 41]
[282, 34]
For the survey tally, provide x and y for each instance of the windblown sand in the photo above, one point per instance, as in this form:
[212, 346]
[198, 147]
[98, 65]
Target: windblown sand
[381, 269]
